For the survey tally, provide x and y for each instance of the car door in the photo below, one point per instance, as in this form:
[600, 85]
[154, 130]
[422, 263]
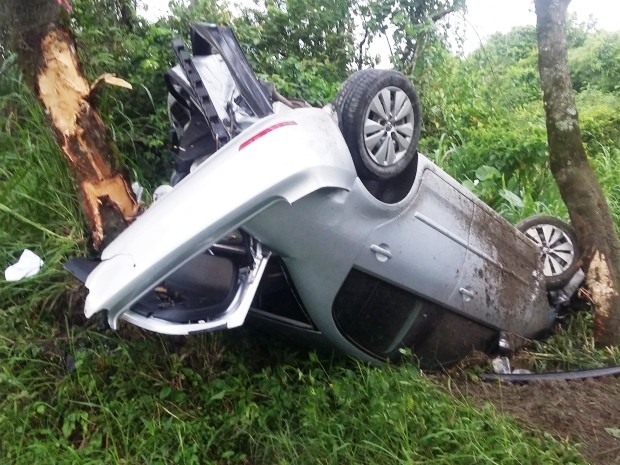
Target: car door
[501, 283]
[423, 249]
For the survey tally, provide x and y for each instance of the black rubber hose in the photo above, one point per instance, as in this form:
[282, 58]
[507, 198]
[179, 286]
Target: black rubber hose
[559, 376]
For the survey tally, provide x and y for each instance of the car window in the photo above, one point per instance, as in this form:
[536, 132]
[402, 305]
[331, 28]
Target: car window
[375, 315]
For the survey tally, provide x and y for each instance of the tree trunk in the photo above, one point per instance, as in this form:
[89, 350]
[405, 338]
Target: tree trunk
[48, 61]
[577, 182]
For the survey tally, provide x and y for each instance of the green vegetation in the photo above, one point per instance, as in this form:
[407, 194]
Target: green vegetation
[80, 395]
[572, 348]
[75, 392]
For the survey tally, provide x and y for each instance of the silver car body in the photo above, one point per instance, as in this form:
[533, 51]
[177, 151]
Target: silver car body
[290, 183]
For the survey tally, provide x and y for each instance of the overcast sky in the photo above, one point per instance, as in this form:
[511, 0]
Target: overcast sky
[484, 17]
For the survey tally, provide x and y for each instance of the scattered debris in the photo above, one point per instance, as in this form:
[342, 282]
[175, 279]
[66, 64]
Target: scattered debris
[138, 190]
[111, 79]
[161, 191]
[28, 265]
[501, 366]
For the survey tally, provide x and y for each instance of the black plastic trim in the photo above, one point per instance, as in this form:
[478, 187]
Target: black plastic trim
[80, 267]
[205, 105]
[559, 376]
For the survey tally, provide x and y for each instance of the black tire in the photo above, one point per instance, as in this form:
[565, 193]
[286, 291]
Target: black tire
[561, 252]
[379, 116]
[343, 94]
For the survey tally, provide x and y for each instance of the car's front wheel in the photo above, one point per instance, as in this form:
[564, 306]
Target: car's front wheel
[561, 253]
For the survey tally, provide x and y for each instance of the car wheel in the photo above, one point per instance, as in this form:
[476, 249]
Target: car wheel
[343, 94]
[379, 115]
[560, 249]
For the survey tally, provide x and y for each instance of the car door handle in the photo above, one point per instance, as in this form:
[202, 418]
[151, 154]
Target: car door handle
[468, 294]
[382, 252]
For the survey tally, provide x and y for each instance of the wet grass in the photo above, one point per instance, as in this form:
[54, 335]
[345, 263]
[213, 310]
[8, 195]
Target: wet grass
[78, 394]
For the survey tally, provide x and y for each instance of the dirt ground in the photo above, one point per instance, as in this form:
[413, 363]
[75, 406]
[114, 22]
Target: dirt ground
[579, 411]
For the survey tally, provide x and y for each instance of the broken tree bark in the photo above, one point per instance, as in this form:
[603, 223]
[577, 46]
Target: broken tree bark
[48, 60]
[576, 180]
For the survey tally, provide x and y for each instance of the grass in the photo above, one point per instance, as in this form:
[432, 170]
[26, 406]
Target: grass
[605, 164]
[82, 395]
[572, 347]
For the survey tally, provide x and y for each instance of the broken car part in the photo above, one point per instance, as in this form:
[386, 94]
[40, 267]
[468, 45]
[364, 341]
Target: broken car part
[355, 242]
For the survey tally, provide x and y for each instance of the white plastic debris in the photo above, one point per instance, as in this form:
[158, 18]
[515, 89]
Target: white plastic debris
[521, 371]
[138, 190]
[29, 264]
[161, 191]
[501, 365]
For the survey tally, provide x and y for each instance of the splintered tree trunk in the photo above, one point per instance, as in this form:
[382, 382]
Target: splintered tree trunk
[577, 182]
[47, 57]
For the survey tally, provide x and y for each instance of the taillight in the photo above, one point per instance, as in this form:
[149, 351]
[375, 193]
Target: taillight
[267, 130]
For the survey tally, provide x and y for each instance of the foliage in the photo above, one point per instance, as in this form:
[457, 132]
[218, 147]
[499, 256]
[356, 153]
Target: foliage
[78, 394]
[599, 119]
[605, 164]
[484, 123]
[412, 25]
[113, 39]
[572, 347]
[38, 208]
[303, 47]
[306, 49]
[183, 14]
[596, 63]
[415, 25]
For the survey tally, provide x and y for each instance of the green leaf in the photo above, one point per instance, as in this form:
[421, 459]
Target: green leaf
[68, 425]
[219, 395]
[165, 392]
[485, 173]
[513, 199]
[615, 432]
[467, 184]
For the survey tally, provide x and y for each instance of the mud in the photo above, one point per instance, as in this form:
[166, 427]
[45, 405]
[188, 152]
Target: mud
[575, 411]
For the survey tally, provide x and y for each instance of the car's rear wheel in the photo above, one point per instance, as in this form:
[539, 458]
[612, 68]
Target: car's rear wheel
[379, 115]
[561, 253]
[344, 94]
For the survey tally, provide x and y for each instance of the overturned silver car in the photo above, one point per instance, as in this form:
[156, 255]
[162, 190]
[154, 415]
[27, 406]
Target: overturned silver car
[323, 223]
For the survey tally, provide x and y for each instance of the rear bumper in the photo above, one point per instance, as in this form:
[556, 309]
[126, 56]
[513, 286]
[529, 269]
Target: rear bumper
[233, 317]
[263, 166]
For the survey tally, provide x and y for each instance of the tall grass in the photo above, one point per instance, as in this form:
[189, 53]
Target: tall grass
[102, 398]
[572, 347]
[605, 164]
[38, 207]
